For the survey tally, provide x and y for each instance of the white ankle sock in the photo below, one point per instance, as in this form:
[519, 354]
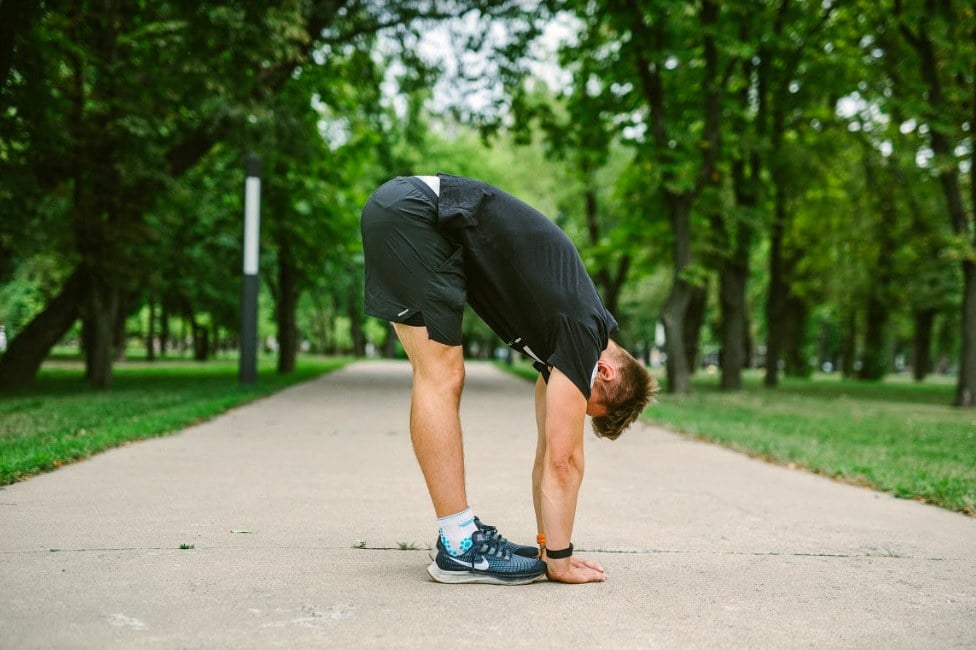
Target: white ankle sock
[456, 531]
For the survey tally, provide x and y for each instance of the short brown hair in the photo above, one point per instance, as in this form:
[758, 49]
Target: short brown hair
[626, 398]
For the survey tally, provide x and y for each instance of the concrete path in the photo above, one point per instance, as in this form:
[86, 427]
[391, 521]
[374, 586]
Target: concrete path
[296, 508]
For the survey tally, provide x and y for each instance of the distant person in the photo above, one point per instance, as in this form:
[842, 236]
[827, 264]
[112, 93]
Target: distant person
[433, 243]
[3, 338]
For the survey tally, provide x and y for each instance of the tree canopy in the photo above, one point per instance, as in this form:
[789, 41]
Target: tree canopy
[785, 184]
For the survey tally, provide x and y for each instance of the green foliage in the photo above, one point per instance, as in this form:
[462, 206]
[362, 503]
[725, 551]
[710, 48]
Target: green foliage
[30, 286]
[123, 130]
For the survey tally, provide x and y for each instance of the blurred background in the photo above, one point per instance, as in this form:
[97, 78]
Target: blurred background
[777, 187]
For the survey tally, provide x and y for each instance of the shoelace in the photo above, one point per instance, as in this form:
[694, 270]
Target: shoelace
[490, 546]
[491, 532]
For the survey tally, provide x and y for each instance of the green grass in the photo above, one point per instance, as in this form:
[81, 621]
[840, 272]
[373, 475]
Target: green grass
[62, 420]
[895, 436]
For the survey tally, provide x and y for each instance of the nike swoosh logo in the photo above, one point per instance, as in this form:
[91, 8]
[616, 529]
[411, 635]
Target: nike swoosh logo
[480, 565]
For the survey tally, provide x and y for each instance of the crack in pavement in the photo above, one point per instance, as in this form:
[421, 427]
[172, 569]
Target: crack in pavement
[882, 554]
[664, 551]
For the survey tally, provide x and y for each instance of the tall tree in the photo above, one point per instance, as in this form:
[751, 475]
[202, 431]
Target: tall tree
[795, 35]
[129, 95]
[732, 224]
[943, 37]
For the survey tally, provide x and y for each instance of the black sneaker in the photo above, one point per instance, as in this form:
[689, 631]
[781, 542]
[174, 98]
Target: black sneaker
[486, 562]
[518, 549]
[492, 533]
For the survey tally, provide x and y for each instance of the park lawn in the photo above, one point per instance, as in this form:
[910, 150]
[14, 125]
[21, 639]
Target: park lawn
[62, 420]
[895, 436]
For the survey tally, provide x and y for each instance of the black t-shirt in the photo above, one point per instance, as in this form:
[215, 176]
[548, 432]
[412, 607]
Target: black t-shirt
[525, 278]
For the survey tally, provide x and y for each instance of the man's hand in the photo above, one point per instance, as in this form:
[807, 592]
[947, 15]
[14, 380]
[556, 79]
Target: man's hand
[574, 570]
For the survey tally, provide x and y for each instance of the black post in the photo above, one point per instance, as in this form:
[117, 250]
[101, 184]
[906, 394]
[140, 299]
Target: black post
[248, 372]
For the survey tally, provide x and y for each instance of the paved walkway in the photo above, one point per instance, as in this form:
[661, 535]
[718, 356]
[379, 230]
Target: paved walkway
[296, 508]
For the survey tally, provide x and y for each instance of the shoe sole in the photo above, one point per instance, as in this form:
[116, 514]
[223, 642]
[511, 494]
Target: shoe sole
[475, 577]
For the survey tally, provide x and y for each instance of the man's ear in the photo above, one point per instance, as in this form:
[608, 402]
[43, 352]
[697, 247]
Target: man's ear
[606, 370]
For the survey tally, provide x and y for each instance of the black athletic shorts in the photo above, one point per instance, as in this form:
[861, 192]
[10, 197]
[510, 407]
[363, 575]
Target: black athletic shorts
[414, 273]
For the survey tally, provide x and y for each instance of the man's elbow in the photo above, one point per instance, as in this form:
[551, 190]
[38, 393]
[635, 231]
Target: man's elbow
[565, 469]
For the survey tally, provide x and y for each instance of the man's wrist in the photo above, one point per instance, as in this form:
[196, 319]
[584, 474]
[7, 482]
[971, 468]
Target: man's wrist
[560, 554]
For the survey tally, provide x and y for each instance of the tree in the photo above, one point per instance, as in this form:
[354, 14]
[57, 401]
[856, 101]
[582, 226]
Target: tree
[129, 103]
[942, 36]
[110, 101]
[642, 75]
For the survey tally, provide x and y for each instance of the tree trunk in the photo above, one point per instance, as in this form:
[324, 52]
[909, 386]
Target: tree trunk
[734, 270]
[710, 176]
[653, 38]
[118, 329]
[286, 309]
[201, 340]
[848, 345]
[922, 343]
[966, 387]
[151, 331]
[796, 363]
[679, 376]
[874, 362]
[100, 315]
[676, 306]
[26, 351]
[748, 344]
[736, 339]
[694, 320]
[164, 334]
[734, 334]
[776, 299]
[85, 345]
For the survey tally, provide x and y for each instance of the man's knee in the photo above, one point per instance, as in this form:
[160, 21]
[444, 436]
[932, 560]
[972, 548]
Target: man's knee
[433, 362]
[444, 374]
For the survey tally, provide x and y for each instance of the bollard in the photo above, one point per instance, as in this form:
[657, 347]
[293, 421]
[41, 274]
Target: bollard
[247, 369]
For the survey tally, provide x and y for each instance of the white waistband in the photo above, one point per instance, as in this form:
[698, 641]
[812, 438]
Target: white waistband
[433, 182]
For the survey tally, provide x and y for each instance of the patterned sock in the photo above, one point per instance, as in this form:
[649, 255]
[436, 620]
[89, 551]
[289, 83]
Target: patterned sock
[456, 531]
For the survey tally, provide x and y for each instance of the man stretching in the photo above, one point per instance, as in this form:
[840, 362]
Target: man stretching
[432, 243]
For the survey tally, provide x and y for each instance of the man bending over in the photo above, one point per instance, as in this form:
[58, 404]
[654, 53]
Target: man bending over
[433, 243]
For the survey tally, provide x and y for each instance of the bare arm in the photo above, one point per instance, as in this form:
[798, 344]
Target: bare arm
[540, 451]
[558, 473]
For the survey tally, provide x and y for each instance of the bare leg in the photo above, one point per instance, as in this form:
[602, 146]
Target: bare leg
[435, 425]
